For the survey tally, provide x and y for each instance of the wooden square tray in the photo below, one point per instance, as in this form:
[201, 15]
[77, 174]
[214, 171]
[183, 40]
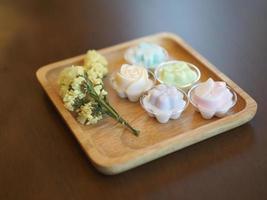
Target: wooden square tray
[112, 148]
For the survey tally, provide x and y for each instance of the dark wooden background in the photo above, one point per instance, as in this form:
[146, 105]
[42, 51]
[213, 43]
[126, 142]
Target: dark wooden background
[39, 157]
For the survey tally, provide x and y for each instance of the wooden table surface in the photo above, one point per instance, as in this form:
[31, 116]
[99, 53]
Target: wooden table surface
[39, 157]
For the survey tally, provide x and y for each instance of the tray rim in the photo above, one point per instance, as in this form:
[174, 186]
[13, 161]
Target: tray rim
[117, 165]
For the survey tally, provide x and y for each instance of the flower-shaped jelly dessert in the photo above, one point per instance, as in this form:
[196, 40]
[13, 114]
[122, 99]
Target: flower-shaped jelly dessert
[132, 81]
[212, 98]
[178, 73]
[148, 55]
[164, 102]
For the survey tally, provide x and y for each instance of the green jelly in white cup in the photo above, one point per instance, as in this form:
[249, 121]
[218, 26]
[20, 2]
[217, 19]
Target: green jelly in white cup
[181, 74]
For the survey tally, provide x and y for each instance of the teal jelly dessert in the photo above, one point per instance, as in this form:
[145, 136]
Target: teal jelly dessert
[148, 55]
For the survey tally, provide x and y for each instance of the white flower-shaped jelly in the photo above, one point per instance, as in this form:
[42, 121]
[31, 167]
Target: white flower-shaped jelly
[164, 102]
[212, 98]
[131, 81]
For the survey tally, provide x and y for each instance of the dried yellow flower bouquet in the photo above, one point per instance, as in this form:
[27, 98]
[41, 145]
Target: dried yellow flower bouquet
[82, 91]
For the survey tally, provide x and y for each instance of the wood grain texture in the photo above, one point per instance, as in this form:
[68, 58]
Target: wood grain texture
[112, 148]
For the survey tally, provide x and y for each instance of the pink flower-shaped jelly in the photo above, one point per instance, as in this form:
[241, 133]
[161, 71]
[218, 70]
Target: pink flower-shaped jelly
[212, 98]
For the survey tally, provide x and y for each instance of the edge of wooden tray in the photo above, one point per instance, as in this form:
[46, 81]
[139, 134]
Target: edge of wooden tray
[111, 166]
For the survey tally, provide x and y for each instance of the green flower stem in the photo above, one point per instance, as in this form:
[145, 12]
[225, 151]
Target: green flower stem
[109, 109]
[122, 121]
[112, 113]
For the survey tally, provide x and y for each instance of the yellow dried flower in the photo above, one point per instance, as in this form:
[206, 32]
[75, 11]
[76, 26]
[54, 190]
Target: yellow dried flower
[93, 57]
[86, 114]
[66, 77]
[95, 64]
[81, 89]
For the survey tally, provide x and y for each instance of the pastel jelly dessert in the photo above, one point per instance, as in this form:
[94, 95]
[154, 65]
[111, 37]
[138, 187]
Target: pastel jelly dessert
[148, 55]
[164, 102]
[212, 98]
[131, 81]
[177, 73]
